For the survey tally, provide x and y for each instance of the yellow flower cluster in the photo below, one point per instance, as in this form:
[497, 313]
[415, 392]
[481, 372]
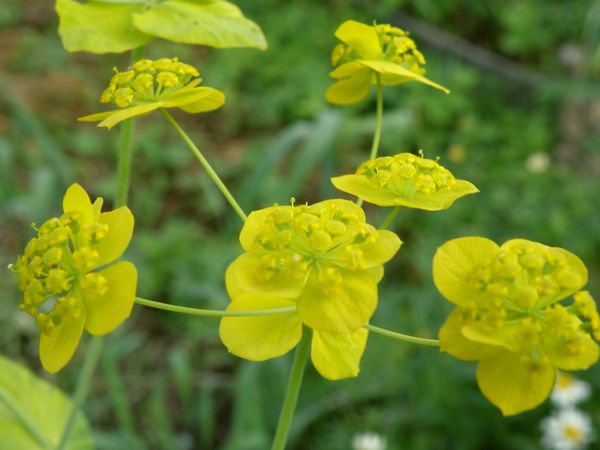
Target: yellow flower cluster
[66, 279]
[149, 85]
[148, 80]
[405, 180]
[369, 53]
[396, 46]
[508, 316]
[325, 260]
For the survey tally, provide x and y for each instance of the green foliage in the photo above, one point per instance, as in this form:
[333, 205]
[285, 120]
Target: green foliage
[33, 413]
[99, 26]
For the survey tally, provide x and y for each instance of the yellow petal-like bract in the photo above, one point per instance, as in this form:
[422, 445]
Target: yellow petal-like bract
[509, 316]
[325, 260]
[405, 180]
[68, 281]
[368, 52]
[149, 85]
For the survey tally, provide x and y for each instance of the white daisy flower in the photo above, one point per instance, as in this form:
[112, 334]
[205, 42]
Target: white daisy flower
[368, 441]
[567, 429]
[568, 391]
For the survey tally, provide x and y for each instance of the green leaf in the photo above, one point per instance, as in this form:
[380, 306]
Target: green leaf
[98, 27]
[217, 24]
[33, 413]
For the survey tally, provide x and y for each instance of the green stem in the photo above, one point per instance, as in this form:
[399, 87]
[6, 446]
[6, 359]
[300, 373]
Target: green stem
[377, 135]
[293, 389]
[402, 337]
[83, 384]
[387, 222]
[211, 312]
[97, 342]
[125, 150]
[211, 172]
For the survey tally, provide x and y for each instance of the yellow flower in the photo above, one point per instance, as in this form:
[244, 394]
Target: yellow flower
[405, 180]
[373, 50]
[323, 259]
[508, 316]
[68, 278]
[149, 85]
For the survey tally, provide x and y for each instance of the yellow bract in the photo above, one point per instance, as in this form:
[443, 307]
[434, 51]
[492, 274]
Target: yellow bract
[367, 51]
[149, 85]
[325, 260]
[405, 180]
[66, 283]
[508, 316]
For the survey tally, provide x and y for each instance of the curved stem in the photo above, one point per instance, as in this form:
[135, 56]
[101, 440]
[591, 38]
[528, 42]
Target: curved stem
[211, 312]
[402, 337]
[387, 222]
[200, 157]
[292, 391]
[83, 384]
[377, 135]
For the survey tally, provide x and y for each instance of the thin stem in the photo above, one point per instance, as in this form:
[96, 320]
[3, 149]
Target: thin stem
[211, 172]
[211, 312]
[293, 389]
[97, 342]
[83, 385]
[377, 135]
[402, 337]
[387, 222]
[125, 150]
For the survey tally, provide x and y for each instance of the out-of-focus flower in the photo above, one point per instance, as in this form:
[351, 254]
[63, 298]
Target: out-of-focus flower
[115, 26]
[567, 429]
[369, 441]
[69, 279]
[373, 51]
[508, 316]
[325, 260]
[457, 154]
[537, 162]
[568, 391]
[149, 85]
[405, 180]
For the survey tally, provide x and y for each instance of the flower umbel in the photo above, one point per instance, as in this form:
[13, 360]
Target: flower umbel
[508, 316]
[325, 260]
[148, 85]
[68, 278]
[405, 180]
[368, 51]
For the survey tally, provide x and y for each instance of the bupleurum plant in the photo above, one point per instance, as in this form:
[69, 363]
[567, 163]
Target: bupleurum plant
[309, 274]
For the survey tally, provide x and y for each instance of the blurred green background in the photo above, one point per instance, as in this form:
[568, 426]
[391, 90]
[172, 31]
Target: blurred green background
[522, 123]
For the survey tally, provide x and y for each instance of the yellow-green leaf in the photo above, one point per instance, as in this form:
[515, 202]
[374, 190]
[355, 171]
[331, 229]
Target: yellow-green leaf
[98, 27]
[217, 24]
[33, 413]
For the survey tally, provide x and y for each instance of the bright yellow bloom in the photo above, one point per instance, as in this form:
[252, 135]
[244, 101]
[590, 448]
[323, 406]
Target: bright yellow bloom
[369, 50]
[149, 85]
[68, 278]
[405, 180]
[508, 316]
[325, 260]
